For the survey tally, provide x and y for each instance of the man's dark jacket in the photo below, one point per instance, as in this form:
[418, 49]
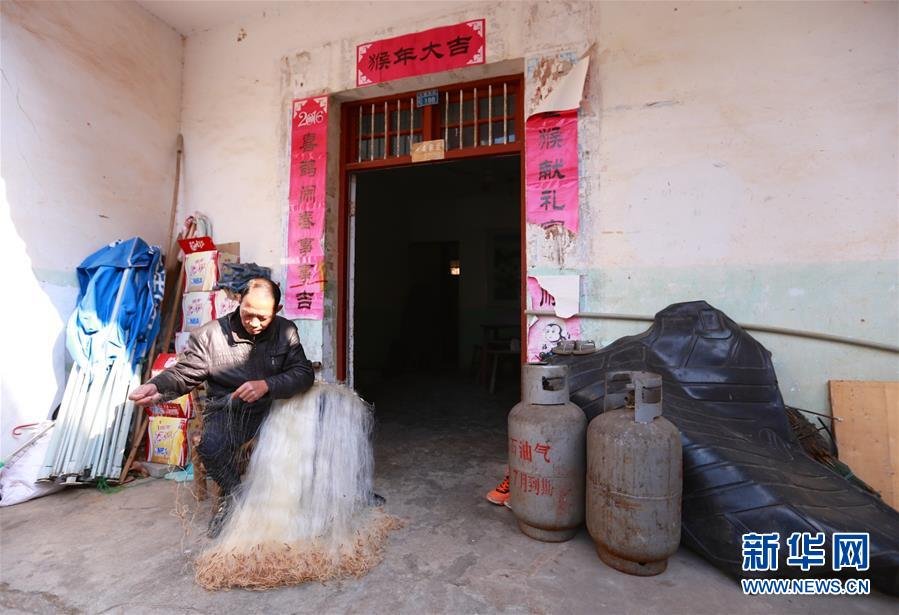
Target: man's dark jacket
[223, 354]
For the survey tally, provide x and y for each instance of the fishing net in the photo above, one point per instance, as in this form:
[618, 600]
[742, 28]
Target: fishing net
[303, 512]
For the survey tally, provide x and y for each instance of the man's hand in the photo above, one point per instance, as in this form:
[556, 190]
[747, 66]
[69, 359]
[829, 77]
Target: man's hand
[251, 391]
[145, 395]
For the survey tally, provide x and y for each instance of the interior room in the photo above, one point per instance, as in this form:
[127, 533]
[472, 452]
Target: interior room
[437, 274]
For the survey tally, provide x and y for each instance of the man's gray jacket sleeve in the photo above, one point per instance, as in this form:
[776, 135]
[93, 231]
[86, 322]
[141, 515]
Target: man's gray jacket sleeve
[188, 373]
[298, 374]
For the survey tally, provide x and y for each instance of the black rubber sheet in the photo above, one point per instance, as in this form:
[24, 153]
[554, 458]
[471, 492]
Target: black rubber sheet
[744, 469]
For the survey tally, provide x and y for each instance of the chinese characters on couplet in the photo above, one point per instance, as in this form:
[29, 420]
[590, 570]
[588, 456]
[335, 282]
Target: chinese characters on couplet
[305, 280]
[309, 143]
[304, 300]
[307, 193]
[552, 169]
[421, 53]
[305, 220]
[404, 55]
[307, 168]
[305, 246]
[305, 271]
[550, 138]
[380, 59]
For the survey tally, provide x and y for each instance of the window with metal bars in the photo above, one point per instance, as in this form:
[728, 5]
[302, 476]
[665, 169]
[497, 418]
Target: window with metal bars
[472, 119]
[488, 112]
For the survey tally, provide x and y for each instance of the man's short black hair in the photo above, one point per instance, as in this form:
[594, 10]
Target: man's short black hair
[264, 283]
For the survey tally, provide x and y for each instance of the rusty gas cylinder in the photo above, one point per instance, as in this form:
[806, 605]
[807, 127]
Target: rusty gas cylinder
[634, 477]
[547, 456]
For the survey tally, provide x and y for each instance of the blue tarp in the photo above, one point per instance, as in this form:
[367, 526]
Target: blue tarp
[132, 268]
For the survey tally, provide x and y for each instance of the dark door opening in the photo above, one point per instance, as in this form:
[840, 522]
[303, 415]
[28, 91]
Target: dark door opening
[436, 271]
[431, 308]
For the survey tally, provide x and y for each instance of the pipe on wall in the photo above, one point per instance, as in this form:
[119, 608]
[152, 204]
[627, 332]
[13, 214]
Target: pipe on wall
[825, 337]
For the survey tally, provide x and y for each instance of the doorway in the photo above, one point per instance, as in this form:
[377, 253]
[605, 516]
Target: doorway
[436, 272]
[466, 122]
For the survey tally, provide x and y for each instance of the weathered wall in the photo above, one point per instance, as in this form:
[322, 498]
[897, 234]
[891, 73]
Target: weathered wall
[745, 154]
[91, 105]
[240, 79]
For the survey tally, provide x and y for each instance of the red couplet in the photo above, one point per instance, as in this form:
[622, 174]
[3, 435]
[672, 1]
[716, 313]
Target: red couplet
[421, 53]
[304, 294]
[551, 169]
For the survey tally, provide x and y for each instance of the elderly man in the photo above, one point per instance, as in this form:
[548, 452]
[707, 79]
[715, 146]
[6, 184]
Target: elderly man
[247, 358]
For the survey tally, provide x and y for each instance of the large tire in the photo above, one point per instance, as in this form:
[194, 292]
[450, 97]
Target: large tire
[744, 469]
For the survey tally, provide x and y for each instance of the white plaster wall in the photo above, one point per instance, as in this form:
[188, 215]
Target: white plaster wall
[747, 155]
[742, 153]
[91, 96]
[768, 128]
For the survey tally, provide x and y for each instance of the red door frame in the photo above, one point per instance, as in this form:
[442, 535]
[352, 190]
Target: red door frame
[347, 167]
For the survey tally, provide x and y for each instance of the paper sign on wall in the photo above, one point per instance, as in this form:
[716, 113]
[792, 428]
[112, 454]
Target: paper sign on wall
[552, 198]
[558, 293]
[304, 295]
[548, 331]
[551, 169]
[545, 332]
[551, 151]
[421, 53]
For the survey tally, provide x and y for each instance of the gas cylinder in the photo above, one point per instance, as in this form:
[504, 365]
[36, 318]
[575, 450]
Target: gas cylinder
[634, 477]
[547, 456]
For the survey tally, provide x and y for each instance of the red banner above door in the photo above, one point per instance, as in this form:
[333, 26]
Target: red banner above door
[421, 53]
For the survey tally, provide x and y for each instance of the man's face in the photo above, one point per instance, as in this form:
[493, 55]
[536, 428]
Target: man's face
[257, 310]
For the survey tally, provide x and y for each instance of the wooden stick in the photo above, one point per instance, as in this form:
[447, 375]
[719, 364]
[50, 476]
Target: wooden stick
[168, 329]
[171, 263]
[172, 240]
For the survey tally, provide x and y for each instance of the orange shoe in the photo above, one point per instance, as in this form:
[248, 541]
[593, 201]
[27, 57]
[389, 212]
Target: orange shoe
[499, 495]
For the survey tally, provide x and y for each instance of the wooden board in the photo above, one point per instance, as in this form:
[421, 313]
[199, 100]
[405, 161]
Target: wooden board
[868, 434]
[428, 150]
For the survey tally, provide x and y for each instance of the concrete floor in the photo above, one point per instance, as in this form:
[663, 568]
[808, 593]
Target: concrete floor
[439, 445]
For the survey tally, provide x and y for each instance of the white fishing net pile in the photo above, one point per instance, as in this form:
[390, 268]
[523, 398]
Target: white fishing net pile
[303, 511]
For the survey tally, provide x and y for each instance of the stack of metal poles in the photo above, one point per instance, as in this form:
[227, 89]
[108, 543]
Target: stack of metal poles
[94, 418]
